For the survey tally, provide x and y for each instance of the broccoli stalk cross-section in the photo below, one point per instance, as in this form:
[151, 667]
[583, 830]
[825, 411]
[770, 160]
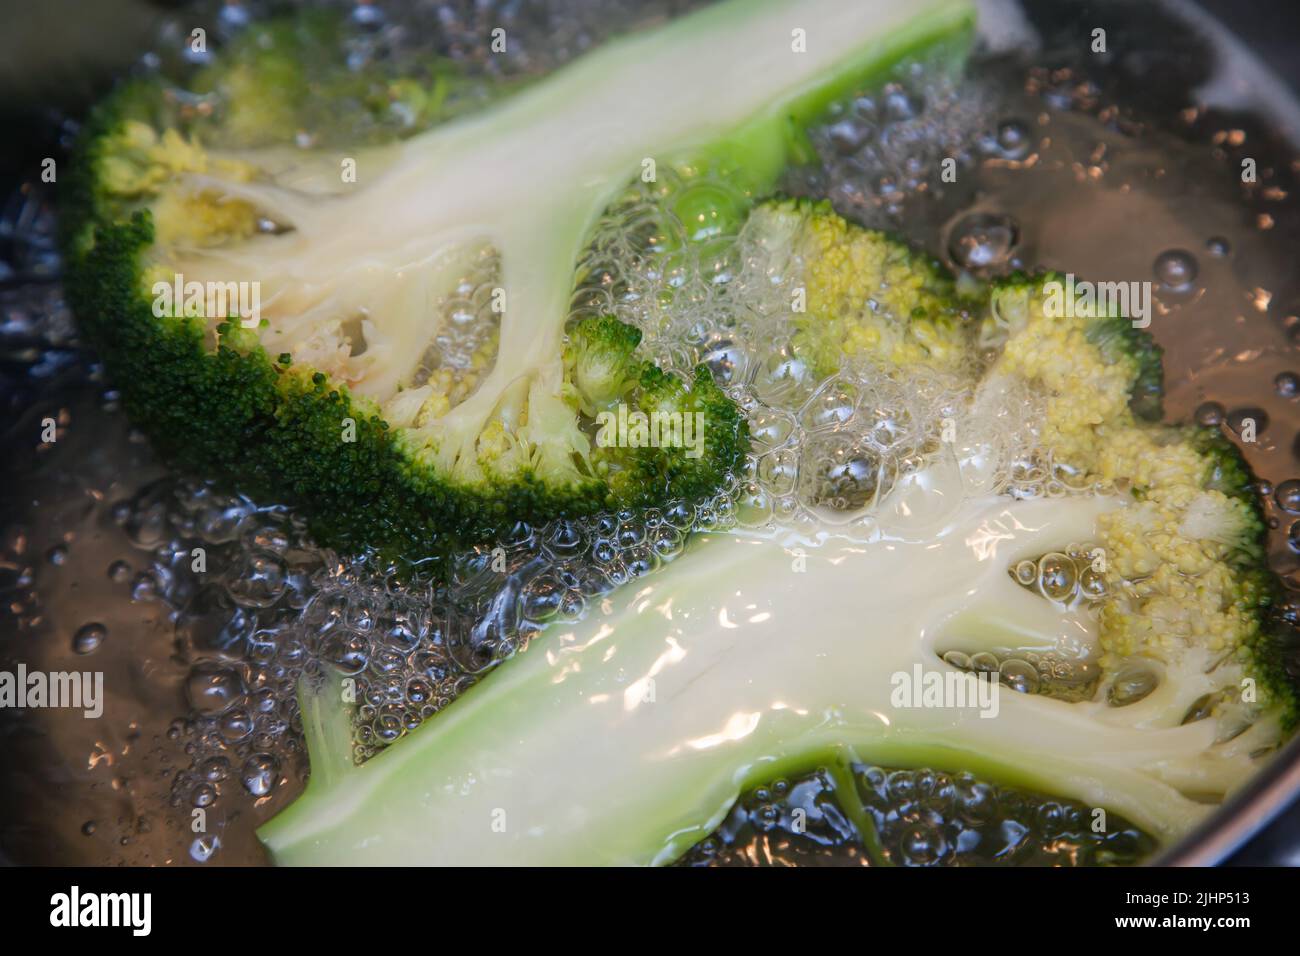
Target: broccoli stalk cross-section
[627, 739]
[352, 266]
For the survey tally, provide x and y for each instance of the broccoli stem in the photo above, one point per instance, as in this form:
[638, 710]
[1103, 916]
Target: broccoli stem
[530, 176]
[624, 739]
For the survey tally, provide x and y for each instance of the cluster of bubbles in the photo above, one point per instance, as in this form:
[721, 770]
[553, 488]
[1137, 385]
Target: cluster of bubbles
[258, 607]
[232, 577]
[1052, 673]
[1066, 578]
[1069, 579]
[537, 37]
[468, 333]
[912, 818]
[826, 449]
[886, 148]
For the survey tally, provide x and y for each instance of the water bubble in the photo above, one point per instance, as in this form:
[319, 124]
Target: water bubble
[214, 769]
[266, 538]
[1175, 269]
[565, 538]
[419, 690]
[145, 521]
[233, 18]
[982, 242]
[1013, 139]
[1217, 246]
[541, 598]
[770, 428]
[1287, 384]
[236, 725]
[783, 377]
[753, 506]
[1238, 419]
[259, 773]
[88, 638]
[630, 534]
[778, 470]
[213, 689]
[832, 406]
[1133, 682]
[890, 427]
[922, 845]
[848, 136]
[668, 542]
[1025, 572]
[1287, 495]
[1210, 414]
[1092, 584]
[1057, 576]
[957, 659]
[638, 560]
[258, 580]
[367, 16]
[902, 104]
[838, 477]
[1019, 676]
[203, 847]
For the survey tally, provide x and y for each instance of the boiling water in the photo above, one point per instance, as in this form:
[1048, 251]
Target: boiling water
[1062, 165]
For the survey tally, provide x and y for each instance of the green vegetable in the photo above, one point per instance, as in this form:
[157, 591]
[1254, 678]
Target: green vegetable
[866, 293]
[361, 253]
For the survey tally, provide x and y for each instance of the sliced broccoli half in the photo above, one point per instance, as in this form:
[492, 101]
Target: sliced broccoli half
[373, 251]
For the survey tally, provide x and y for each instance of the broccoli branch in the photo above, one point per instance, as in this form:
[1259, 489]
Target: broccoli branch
[503, 179]
[626, 738]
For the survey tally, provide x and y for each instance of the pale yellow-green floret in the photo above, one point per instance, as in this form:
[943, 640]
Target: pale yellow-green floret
[869, 296]
[1172, 586]
[151, 170]
[1086, 396]
[1168, 591]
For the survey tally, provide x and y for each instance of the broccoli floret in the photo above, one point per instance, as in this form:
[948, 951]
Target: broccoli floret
[1119, 340]
[1229, 472]
[859, 294]
[600, 361]
[369, 255]
[286, 80]
[677, 415]
[1097, 371]
[1185, 576]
